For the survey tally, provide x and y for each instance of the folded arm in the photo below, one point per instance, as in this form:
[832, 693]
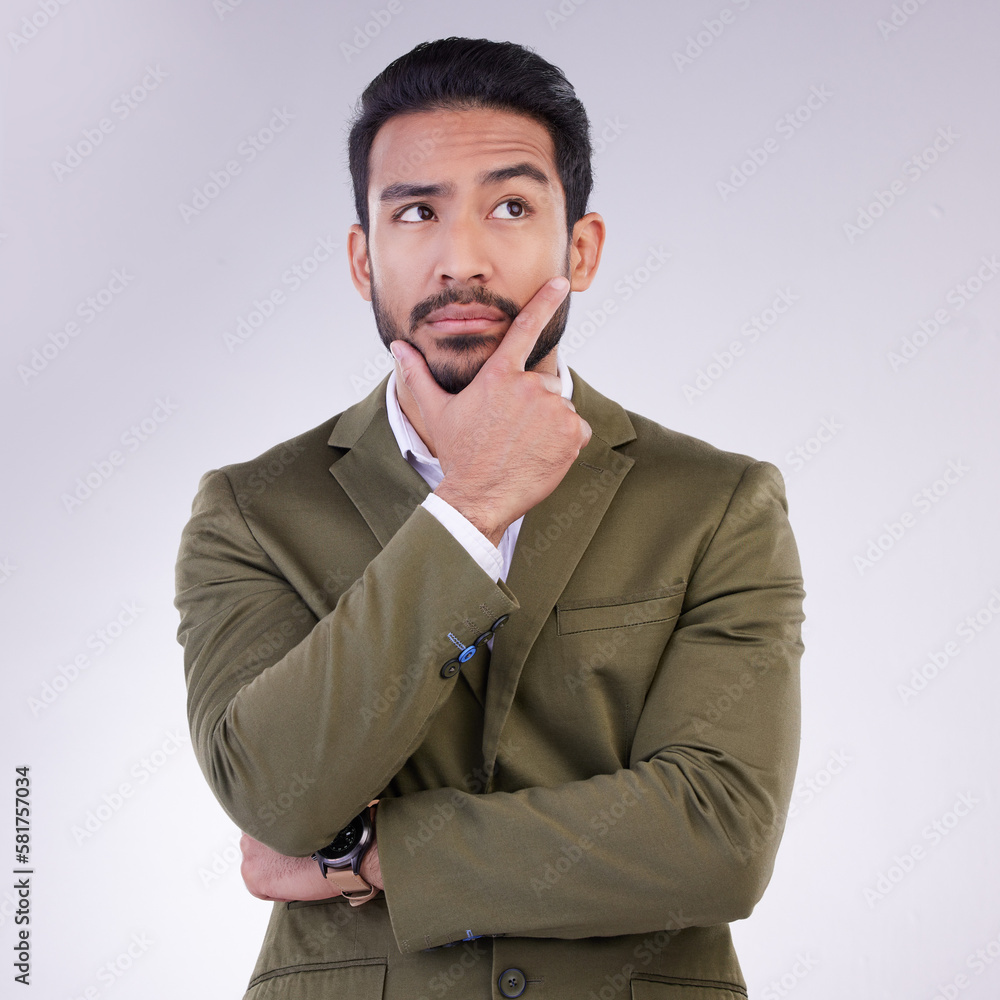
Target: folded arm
[279, 698]
[687, 833]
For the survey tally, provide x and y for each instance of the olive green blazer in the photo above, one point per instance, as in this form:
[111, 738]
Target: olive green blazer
[584, 808]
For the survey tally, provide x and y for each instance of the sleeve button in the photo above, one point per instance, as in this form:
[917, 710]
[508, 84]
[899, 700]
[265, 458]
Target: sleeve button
[450, 668]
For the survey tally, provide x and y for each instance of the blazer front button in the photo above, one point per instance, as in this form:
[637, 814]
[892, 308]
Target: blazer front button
[512, 983]
[450, 668]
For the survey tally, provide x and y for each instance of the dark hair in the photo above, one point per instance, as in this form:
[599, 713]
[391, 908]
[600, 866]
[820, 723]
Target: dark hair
[464, 73]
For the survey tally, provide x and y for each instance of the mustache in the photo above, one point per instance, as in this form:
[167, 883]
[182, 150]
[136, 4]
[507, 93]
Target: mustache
[463, 297]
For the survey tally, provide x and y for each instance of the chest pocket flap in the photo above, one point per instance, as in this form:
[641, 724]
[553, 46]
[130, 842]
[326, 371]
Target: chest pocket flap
[590, 615]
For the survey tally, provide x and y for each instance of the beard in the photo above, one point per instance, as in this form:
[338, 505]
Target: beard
[468, 349]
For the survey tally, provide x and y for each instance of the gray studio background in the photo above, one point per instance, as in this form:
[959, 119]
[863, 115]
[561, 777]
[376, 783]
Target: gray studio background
[826, 169]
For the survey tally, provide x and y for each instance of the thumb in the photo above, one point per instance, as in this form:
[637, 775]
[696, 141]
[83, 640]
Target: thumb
[412, 369]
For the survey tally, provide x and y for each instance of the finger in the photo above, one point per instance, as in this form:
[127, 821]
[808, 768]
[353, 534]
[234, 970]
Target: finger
[523, 332]
[412, 369]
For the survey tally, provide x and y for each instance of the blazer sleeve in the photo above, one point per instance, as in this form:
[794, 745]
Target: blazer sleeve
[685, 835]
[280, 701]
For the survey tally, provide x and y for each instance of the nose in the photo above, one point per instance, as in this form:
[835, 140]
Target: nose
[463, 252]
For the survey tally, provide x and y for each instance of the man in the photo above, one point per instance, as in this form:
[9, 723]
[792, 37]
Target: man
[499, 678]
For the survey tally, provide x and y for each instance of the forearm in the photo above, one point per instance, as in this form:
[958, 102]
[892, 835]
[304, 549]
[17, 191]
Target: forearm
[686, 838]
[298, 722]
[278, 878]
[686, 833]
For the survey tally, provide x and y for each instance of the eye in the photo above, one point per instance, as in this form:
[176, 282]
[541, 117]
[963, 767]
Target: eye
[516, 208]
[424, 213]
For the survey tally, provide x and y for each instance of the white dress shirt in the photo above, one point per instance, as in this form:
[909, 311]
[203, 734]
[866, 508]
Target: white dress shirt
[494, 560]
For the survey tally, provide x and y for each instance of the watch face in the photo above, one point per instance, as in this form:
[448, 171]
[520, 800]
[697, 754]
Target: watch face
[345, 841]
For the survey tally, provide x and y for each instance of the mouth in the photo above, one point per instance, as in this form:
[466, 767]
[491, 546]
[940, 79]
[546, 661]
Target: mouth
[471, 318]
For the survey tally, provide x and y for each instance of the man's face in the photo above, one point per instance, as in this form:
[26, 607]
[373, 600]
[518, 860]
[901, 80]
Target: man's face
[467, 221]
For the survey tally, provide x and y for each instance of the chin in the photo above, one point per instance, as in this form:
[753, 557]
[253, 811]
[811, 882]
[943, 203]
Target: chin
[453, 377]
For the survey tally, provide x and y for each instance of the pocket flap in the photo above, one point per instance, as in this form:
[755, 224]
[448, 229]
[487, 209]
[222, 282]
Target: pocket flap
[632, 609]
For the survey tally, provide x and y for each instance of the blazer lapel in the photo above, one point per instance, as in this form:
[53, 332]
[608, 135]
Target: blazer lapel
[373, 473]
[566, 520]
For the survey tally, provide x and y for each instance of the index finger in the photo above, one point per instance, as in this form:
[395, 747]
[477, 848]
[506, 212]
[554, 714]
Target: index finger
[522, 334]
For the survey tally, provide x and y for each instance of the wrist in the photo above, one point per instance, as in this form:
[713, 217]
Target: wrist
[483, 519]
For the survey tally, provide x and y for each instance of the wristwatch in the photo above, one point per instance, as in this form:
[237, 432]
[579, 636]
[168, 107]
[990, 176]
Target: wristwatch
[340, 860]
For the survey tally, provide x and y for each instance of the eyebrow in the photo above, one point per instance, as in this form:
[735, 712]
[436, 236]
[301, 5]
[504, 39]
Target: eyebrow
[502, 174]
[397, 192]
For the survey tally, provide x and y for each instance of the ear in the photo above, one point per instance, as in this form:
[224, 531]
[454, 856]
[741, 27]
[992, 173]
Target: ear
[586, 245]
[357, 255]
